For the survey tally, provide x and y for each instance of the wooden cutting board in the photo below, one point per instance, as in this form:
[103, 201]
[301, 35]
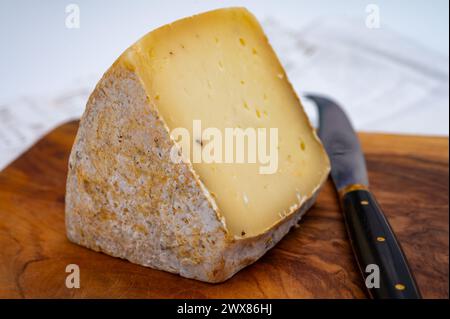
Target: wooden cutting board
[409, 176]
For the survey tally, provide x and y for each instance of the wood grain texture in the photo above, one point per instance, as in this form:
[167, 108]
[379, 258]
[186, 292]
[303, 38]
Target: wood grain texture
[409, 177]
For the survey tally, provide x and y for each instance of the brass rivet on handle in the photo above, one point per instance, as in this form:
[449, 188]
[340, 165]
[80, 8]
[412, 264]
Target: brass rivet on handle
[400, 287]
[381, 238]
[364, 202]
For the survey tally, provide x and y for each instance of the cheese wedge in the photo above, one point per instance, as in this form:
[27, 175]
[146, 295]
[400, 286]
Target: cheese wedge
[201, 218]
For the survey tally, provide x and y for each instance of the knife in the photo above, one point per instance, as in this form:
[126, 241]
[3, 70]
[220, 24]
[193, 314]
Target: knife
[378, 253]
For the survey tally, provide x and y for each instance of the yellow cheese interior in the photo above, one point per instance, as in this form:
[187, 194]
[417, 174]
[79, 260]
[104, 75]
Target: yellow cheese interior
[218, 67]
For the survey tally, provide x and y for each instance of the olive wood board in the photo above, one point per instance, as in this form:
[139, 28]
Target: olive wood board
[408, 175]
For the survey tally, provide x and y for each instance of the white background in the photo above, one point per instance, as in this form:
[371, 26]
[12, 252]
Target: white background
[40, 56]
[392, 79]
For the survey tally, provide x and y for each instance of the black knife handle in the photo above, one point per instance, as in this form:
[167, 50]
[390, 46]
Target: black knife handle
[374, 243]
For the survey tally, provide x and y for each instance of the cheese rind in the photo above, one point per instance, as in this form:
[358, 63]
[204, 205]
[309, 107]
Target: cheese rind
[127, 198]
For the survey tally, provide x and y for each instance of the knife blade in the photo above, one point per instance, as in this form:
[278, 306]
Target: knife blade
[378, 253]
